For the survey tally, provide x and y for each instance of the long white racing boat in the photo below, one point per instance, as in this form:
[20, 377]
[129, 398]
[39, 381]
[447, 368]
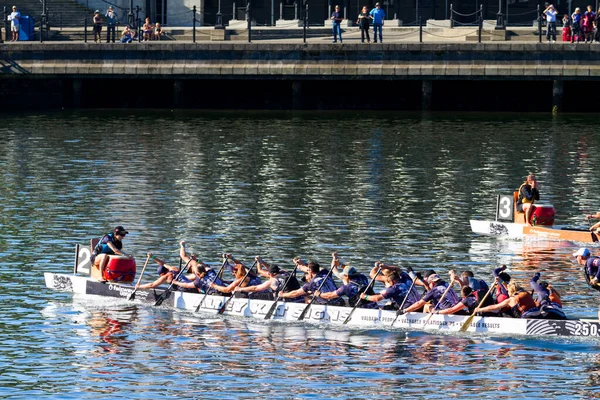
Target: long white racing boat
[362, 317]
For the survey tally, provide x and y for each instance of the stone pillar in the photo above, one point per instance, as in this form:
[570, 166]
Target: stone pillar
[557, 95]
[77, 88]
[426, 95]
[178, 93]
[296, 95]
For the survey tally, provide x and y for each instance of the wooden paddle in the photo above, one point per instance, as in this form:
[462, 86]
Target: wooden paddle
[213, 281]
[439, 302]
[399, 312]
[369, 286]
[132, 295]
[301, 317]
[274, 305]
[222, 309]
[467, 323]
[164, 295]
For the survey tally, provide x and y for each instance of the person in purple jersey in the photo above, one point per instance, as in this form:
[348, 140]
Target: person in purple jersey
[591, 263]
[205, 277]
[278, 281]
[549, 309]
[433, 296]
[466, 305]
[166, 274]
[316, 279]
[354, 285]
[395, 291]
[243, 278]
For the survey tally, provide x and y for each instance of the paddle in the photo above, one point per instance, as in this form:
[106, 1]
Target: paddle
[213, 281]
[132, 295]
[301, 317]
[399, 312]
[164, 295]
[369, 286]
[222, 309]
[274, 305]
[467, 323]
[594, 236]
[439, 302]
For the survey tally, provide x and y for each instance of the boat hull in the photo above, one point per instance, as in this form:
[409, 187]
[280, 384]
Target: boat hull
[519, 231]
[362, 317]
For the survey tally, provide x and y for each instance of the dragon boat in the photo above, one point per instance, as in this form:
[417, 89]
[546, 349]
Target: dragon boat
[83, 282]
[510, 223]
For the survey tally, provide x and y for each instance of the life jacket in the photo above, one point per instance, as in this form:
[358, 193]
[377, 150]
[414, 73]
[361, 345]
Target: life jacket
[102, 245]
[524, 303]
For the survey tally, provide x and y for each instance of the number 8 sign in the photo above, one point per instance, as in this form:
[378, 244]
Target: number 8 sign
[505, 209]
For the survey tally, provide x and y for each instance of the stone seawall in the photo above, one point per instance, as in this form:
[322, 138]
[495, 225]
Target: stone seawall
[239, 67]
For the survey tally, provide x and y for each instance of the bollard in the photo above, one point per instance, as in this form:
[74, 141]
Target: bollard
[194, 25]
[234, 11]
[85, 30]
[219, 16]
[281, 10]
[420, 30]
[480, 18]
[295, 10]
[249, 19]
[539, 24]
[451, 16]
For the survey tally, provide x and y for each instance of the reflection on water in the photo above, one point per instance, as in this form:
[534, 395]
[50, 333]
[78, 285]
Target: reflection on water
[400, 188]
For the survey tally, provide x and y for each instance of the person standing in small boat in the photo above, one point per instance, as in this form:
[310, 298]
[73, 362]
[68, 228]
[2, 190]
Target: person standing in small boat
[110, 244]
[528, 193]
[315, 277]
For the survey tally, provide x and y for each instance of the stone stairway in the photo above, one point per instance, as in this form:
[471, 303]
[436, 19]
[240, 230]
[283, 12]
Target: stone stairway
[61, 13]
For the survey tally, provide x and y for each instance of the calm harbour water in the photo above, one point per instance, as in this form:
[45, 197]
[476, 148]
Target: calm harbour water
[396, 187]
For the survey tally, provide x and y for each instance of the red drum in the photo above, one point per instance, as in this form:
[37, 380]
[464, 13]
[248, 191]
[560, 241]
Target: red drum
[543, 214]
[119, 269]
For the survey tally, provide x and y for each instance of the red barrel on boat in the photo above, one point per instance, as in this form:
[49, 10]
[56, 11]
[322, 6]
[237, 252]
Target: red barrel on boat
[543, 214]
[120, 269]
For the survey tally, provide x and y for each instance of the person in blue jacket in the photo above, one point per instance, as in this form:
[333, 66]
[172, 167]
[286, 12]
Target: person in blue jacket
[378, 16]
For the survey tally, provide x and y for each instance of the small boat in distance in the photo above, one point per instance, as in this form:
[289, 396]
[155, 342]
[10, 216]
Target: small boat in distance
[511, 224]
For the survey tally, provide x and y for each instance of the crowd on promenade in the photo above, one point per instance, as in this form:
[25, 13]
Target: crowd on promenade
[577, 27]
[148, 31]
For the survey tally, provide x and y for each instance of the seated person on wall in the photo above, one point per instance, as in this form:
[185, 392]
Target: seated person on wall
[528, 193]
[158, 31]
[148, 30]
[127, 35]
[110, 244]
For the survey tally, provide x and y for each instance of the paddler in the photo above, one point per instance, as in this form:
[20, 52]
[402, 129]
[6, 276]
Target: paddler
[548, 299]
[591, 270]
[396, 290]
[314, 280]
[520, 302]
[165, 272]
[354, 286]
[110, 244]
[276, 282]
[596, 226]
[433, 297]
[528, 193]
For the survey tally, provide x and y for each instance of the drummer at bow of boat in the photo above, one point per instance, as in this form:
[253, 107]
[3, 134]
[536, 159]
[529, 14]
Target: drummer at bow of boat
[110, 244]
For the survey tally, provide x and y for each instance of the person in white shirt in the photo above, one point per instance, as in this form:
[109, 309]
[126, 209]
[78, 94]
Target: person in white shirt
[550, 14]
[15, 24]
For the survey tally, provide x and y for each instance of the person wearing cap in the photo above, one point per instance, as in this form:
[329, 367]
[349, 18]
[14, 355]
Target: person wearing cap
[354, 284]
[166, 273]
[528, 194]
[111, 24]
[550, 13]
[110, 244]
[276, 282]
[432, 299]
[315, 279]
[591, 263]
[378, 16]
[97, 26]
[15, 23]
[336, 19]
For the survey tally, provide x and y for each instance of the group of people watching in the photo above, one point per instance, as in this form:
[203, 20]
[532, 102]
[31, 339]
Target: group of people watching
[128, 35]
[577, 27]
[376, 16]
[403, 290]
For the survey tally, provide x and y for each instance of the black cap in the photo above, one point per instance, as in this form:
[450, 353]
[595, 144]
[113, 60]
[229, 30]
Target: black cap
[120, 230]
[274, 269]
[161, 270]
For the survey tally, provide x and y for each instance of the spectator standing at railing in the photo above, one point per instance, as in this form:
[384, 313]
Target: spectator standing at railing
[566, 31]
[111, 24]
[588, 24]
[97, 26]
[378, 16]
[550, 13]
[336, 19]
[363, 23]
[15, 23]
[576, 25]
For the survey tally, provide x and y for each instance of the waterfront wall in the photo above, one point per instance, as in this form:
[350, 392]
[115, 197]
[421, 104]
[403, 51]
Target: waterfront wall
[229, 75]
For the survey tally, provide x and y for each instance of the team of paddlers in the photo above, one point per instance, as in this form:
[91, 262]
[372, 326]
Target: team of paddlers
[404, 290]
